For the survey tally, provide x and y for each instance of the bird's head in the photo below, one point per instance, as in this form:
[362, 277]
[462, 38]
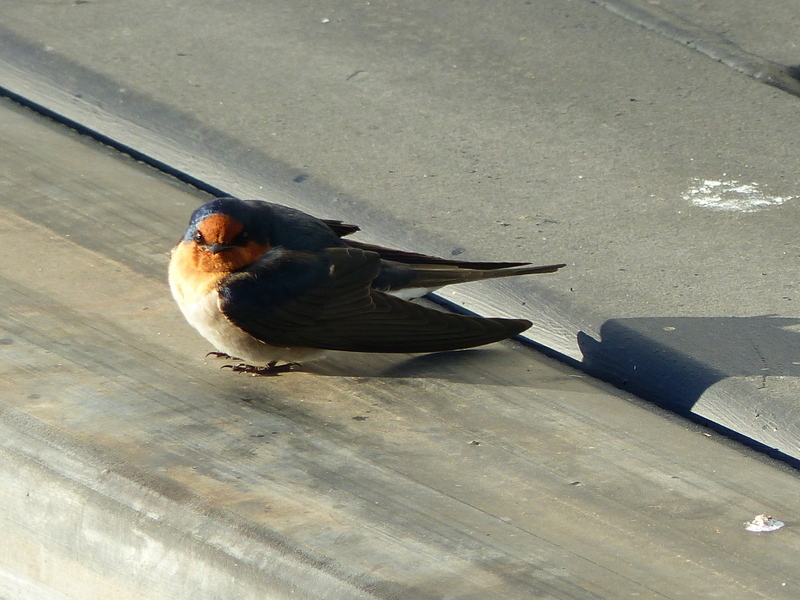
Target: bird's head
[224, 235]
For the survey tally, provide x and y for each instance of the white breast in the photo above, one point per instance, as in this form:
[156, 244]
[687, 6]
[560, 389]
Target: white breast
[205, 315]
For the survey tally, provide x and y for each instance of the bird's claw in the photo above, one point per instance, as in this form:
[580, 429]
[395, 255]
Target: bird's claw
[270, 369]
[221, 355]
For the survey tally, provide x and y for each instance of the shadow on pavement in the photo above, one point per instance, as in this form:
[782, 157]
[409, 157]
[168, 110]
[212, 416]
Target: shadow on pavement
[673, 360]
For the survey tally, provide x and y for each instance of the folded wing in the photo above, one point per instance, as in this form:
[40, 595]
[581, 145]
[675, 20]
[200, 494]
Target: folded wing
[324, 300]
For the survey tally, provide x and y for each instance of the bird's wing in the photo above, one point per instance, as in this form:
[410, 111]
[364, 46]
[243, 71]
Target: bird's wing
[324, 300]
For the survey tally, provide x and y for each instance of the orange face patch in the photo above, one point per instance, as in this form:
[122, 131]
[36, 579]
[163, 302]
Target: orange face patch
[219, 229]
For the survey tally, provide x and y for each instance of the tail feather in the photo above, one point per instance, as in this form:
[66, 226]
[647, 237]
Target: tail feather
[423, 260]
[432, 277]
[411, 275]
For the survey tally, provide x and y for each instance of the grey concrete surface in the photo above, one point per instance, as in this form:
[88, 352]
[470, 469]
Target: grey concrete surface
[770, 30]
[548, 131]
[133, 468]
[754, 39]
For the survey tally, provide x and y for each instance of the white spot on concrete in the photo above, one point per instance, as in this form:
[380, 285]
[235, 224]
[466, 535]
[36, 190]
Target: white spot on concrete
[731, 196]
[764, 523]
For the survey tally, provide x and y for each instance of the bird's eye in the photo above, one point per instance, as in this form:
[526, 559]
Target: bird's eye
[242, 239]
[198, 237]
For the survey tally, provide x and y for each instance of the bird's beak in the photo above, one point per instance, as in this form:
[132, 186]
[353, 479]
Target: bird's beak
[217, 248]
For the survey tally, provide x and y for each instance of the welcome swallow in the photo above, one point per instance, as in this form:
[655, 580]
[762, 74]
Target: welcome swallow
[266, 283]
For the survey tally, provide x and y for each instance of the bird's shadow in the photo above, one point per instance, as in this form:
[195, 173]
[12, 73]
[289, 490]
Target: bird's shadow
[473, 366]
[674, 360]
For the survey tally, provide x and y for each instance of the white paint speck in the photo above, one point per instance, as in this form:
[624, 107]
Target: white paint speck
[731, 196]
[763, 523]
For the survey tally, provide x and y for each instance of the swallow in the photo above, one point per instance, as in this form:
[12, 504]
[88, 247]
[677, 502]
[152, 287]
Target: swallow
[269, 284]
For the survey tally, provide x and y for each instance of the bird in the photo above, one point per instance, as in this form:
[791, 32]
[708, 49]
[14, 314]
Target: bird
[266, 284]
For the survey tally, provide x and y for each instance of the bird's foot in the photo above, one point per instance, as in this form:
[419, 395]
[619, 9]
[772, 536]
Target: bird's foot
[270, 369]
